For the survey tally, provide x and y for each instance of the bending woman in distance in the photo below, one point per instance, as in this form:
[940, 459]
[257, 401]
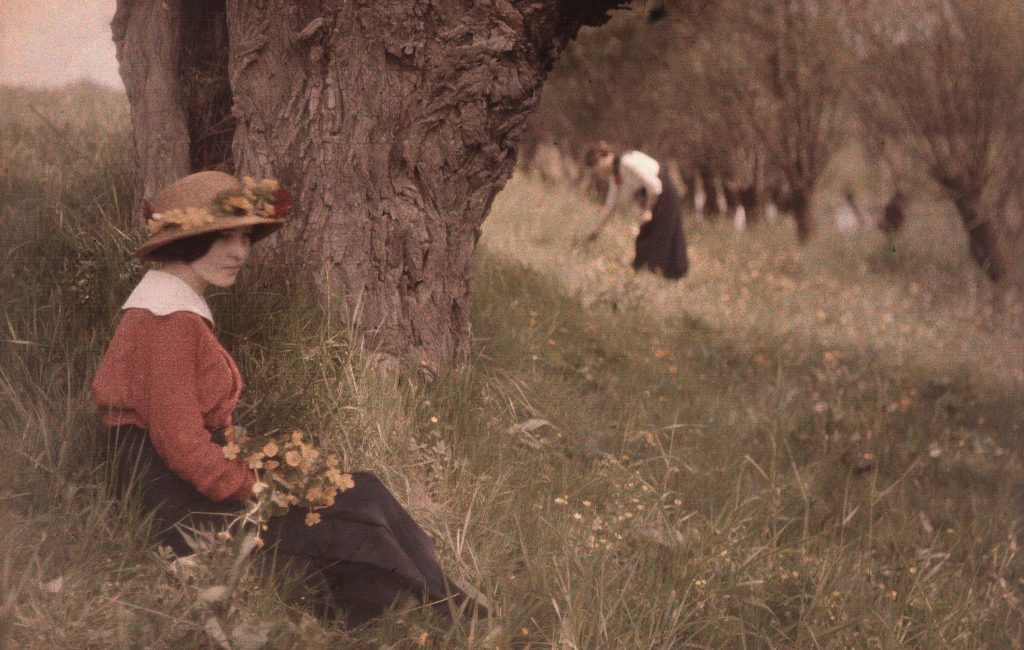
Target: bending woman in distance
[661, 243]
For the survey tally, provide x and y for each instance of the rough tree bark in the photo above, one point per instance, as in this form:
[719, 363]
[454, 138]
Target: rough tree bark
[392, 123]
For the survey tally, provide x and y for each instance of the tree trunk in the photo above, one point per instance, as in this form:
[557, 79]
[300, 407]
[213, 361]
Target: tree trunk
[148, 39]
[707, 178]
[982, 238]
[393, 124]
[755, 212]
[801, 206]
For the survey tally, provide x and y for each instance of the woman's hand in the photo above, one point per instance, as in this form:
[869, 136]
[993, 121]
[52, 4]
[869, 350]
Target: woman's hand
[648, 212]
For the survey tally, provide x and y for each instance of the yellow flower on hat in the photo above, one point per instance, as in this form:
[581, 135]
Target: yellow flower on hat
[187, 219]
[155, 224]
[236, 204]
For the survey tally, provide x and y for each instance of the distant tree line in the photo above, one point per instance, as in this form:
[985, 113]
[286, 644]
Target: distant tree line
[750, 100]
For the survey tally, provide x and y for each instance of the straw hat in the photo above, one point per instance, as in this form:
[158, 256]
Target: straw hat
[211, 201]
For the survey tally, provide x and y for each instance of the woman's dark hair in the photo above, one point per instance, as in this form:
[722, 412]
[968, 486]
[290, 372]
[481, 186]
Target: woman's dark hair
[188, 249]
[595, 152]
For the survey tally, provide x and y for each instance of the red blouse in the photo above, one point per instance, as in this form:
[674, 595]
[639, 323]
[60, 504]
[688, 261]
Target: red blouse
[170, 375]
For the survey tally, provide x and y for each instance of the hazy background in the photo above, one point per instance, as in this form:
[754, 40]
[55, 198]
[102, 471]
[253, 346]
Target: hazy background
[50, 42]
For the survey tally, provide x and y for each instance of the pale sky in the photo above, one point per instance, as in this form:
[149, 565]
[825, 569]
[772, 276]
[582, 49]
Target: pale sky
[52, 42]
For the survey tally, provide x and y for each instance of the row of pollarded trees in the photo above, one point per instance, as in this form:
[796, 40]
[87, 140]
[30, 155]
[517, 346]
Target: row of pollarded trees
[761, 93]
[943, 84]
[743, 95]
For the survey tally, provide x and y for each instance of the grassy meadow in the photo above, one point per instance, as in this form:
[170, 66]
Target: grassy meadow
[814, 447]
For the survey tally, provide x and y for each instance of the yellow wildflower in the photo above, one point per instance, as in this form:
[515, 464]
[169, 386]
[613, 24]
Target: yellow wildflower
[231, 451]
[346, 482]
[271, 464]
[312, 518]
[296, 437]
[332, 460]
[314, 494]
[329, 496]
[254, 462]
[293, 458]
[270, 449]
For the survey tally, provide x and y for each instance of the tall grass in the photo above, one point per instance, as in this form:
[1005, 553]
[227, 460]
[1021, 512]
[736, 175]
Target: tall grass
[811, 447]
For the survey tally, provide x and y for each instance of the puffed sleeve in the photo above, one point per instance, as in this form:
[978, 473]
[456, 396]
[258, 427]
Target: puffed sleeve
[170, 407]
[646, 169]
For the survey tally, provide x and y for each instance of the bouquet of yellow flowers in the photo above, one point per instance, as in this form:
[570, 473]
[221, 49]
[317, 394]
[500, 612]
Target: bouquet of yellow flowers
[291, 472]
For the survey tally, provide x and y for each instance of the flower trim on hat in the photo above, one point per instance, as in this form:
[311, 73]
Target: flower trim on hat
[263, 198]
[186, 219]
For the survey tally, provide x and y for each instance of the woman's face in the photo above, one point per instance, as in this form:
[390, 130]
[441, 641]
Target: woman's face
[221, 265]
[604, 165]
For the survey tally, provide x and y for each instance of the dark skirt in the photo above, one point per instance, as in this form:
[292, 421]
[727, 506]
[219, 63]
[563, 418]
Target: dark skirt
[364, 556]
[661, 244]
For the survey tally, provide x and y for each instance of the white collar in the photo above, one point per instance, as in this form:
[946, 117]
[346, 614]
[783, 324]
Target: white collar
[165, 293]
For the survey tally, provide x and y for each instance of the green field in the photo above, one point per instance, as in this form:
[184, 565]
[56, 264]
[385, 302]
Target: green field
[814, 447]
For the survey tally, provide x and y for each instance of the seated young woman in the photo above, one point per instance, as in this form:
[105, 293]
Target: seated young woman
[166, 389]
